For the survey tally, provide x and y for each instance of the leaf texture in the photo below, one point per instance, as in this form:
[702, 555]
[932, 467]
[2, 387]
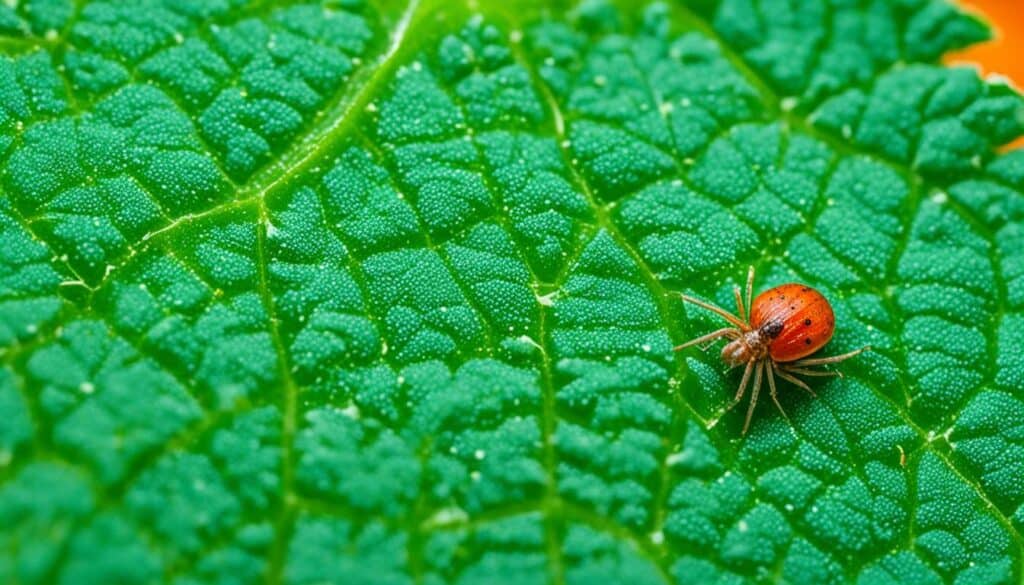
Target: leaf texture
[363, 292]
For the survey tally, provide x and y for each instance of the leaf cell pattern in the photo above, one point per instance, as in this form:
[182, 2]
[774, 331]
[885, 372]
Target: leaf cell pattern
[358, 292]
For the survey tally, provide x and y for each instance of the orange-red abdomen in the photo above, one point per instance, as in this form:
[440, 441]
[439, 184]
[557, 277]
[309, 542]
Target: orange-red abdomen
[797, 318]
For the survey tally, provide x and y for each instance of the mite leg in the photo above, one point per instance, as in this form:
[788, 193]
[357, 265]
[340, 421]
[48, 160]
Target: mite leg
[793, 379]
[808, 372]
[771, 390]
[753, 395]
[743, 385]
[725, 314]
[739, 303]
[831, 360]
[727, 332]
[750, 286]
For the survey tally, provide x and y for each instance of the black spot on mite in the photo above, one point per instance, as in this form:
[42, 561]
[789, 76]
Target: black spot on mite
[782, 297]
[807, 341]
[792, 307]
[807, 322]
[805, 289]
[772, 329]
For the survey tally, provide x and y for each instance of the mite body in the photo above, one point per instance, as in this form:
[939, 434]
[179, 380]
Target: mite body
[785, 325]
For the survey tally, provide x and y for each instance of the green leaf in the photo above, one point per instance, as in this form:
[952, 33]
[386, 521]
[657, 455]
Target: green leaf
[362, 292]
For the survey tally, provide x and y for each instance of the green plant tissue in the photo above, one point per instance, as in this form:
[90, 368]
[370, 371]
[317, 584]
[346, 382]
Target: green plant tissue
[369, 293]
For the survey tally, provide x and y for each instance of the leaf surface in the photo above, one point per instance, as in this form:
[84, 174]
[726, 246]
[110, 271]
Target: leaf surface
[374, 293]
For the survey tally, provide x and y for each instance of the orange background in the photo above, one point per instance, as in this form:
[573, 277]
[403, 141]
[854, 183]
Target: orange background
[1005, 54]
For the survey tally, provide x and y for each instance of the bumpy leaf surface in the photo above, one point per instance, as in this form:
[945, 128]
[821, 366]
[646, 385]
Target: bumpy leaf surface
[361, 292]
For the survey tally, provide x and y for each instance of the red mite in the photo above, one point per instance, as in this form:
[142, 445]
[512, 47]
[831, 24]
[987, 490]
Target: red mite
[786, 324]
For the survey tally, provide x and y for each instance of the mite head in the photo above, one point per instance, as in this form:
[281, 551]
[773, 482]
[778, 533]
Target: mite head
[750, 346]
[736, 353]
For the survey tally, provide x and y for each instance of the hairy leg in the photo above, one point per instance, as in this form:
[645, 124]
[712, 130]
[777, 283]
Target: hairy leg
[743, 385]
[771, 390]
[809, 372]
[722, 312]
[750, 287]
[729, 332]
[753, 395]
[740, 309]
[792, 379]
[831, 360]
